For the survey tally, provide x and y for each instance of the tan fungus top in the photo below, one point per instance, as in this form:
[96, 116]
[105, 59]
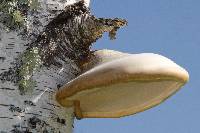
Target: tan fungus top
[121, 84]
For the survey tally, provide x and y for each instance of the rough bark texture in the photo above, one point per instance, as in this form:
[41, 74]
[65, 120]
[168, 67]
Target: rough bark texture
[39, 57]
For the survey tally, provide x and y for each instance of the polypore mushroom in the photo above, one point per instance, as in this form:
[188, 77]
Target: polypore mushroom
[122, 84]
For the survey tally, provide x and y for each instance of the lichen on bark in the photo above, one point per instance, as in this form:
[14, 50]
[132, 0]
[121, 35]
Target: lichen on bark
[69, 36]
[14, 12]
[55, 56]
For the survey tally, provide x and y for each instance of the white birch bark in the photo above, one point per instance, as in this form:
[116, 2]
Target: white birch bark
[37, 111]
[63, 42]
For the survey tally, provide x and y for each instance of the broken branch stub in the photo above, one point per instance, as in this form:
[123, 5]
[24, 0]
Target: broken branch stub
[40, 58]
[68, 36]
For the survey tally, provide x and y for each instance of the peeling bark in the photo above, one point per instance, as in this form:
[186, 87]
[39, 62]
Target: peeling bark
[38, 59]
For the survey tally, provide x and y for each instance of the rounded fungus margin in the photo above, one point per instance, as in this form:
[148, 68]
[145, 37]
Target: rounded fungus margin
[120, 84]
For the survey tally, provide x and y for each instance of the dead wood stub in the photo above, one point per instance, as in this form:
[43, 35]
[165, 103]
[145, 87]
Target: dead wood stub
[67, 38]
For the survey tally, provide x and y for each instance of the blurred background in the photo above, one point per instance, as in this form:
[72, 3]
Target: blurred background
[167, 27]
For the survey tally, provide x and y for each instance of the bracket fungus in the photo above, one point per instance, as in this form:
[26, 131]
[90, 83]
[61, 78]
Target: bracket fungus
[121, 84]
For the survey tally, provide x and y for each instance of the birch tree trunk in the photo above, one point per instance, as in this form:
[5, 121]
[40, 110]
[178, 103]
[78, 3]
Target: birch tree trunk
[39, 58]
[36, 111]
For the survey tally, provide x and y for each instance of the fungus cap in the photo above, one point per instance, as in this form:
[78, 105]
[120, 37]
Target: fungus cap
[122, 86]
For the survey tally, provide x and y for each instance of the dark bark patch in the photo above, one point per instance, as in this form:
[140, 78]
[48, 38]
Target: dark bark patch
[34, 121]
[2, 59]
[5, 88]
[13, 108]
[30, 103]
[61, 121]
